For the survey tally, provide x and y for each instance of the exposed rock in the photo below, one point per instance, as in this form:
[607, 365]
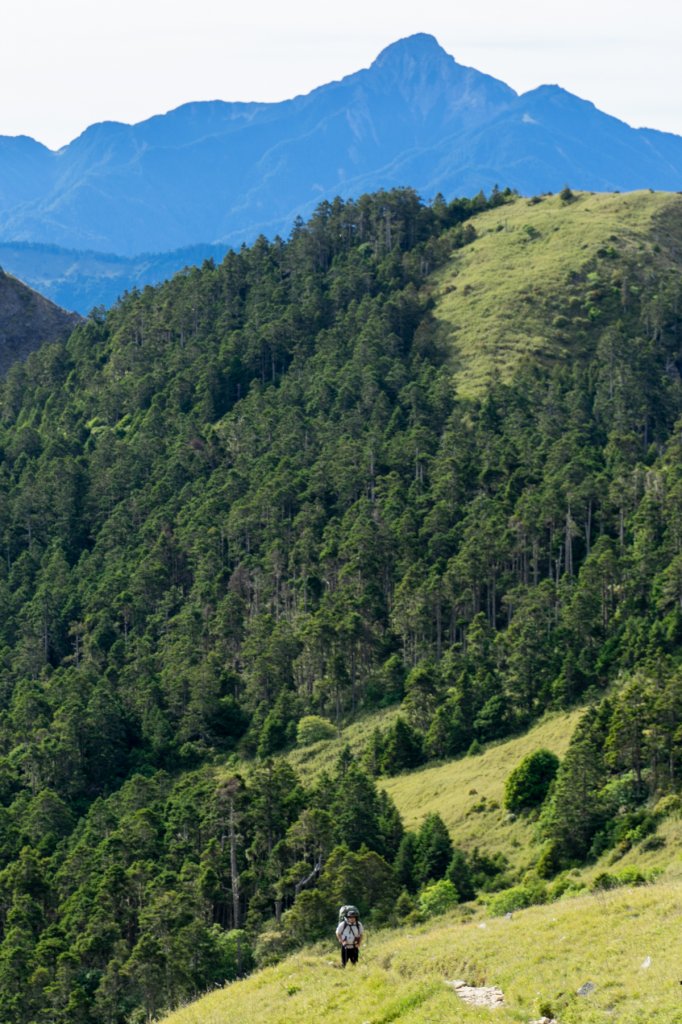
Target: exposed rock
[585, 989]
[646, 963]
[489, 996]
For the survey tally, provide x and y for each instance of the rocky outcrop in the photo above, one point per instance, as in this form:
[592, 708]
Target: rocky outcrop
[489, 996]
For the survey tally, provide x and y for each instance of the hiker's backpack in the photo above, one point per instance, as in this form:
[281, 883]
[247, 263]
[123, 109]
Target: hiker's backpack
[347, 909]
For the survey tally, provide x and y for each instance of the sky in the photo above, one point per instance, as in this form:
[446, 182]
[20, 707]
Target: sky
[65, 64]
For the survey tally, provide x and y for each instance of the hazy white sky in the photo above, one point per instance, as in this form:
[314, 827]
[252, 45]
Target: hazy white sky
[65, 64]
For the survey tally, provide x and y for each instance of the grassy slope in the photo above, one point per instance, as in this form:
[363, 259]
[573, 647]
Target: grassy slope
[500, 296]
[448, 790]
[475, 818]
[539, 958]
[310, 761]
[479, 818]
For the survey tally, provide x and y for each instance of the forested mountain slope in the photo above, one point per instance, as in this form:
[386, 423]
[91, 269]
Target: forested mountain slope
[277, 487]
[27, 320]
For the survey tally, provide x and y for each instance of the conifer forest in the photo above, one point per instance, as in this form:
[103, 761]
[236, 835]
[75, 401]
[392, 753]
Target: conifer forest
[249, 506]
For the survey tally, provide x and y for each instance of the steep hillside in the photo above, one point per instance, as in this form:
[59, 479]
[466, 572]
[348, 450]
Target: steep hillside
[619, 943]
[546, 274]
[468, 794]
[28, 320]
[257, 504]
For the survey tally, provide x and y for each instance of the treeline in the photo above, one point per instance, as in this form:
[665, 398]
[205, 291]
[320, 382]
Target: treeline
[251, 495]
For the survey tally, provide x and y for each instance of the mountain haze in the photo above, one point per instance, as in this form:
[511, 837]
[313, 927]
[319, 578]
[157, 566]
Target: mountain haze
[219, 172]
[84, 279]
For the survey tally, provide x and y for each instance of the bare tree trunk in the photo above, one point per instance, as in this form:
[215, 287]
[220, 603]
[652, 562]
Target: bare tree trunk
[227, 796]
[234, 869]
[568, 544]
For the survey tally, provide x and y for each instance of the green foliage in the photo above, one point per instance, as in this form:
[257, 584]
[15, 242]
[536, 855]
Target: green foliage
[460, 874]
[438, 898]
[363, 874]
[527, 785]
[668, 805]
[313, 729]
[405, 908]
[433, 850]
[626, 876]
[516, 898]
[401, 748]
[575, 811]
[405, 863]
[252, 495]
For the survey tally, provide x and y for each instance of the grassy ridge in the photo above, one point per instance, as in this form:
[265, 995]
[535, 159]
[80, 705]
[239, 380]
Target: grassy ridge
[524, 286]
[539, 958]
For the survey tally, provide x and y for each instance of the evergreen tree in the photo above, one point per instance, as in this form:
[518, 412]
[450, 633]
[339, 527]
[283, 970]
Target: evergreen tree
[433, 850]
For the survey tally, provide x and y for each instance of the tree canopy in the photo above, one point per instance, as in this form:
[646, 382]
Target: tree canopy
[251, 496]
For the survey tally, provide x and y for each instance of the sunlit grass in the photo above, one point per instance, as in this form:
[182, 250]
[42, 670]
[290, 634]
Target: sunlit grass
[310, 761]
[521, 289]
[623, 941]
[468, 793]
[539, 958]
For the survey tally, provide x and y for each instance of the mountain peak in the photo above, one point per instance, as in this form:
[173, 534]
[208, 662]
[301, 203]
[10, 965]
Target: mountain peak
[420, 46]
[433, 86]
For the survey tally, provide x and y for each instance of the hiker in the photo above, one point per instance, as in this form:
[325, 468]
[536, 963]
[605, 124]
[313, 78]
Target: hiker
[349, 933]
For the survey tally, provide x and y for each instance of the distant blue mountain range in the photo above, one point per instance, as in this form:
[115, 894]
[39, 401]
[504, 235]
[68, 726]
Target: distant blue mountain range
[216, 174]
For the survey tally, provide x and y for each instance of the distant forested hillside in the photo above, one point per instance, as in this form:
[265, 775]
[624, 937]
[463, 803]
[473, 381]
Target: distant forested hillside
[253, 495]
[27, 320]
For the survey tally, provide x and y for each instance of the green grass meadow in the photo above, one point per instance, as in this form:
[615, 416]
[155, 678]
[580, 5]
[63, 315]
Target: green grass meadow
[625, 942]
[540, 272]
[468, 793]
